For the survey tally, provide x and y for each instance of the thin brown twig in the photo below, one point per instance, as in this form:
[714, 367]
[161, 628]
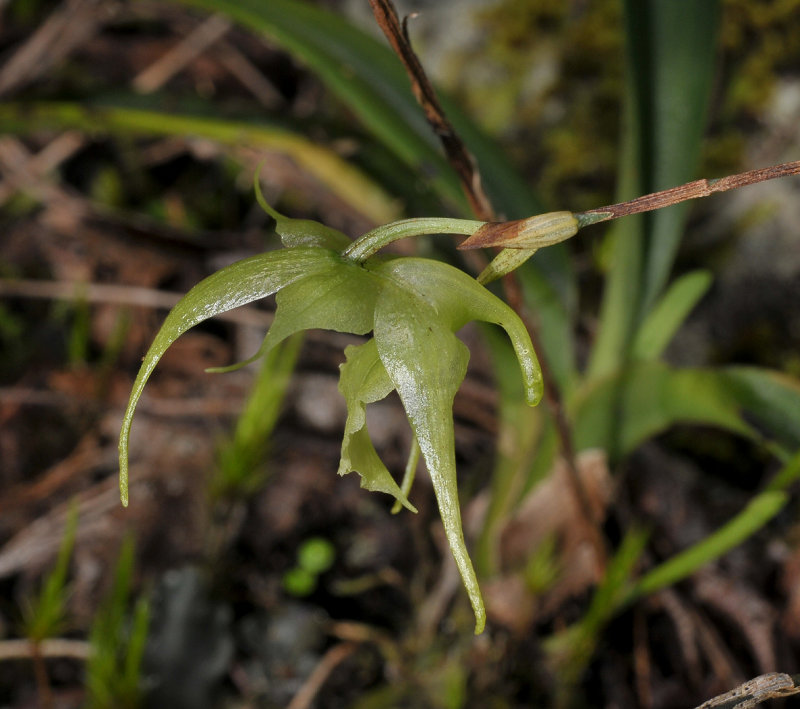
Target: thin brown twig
[163, 69]
[333, 657]
[772, 685]
[238, 64]
[464, 164]
[22, 170]
[108, 294]
[43, 687]
[21, 648]
[455, 149]
[692, 190]
[70, 26]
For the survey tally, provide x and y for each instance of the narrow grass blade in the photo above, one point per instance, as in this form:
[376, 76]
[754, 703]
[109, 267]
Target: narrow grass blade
[663, 321]
[675, 56]
[758, 512]
[359, 69]
[46, 615]
[671, 51]
[571, 650]
[240, 470]
[340, 176]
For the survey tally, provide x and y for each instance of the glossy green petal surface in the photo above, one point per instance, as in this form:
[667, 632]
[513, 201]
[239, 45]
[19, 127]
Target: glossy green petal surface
[238, 284]
[427, 363]
[364, 380]
[457, 299]
[342, 299]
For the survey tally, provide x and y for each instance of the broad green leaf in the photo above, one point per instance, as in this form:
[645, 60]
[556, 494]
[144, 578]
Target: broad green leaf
[363, 380]
[238, 284]
[664, 320]
[458, 299]
[771, 398]
[649, 398]
[340, 176]
[427, 363]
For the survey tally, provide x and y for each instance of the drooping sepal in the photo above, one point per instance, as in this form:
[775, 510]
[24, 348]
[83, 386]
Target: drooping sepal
[238, 284]
[426, 363]
[363, 380]
[300, 232]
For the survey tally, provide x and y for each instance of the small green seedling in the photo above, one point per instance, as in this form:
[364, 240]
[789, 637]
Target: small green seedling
[46, 616]
[315, 557]
[118, 637]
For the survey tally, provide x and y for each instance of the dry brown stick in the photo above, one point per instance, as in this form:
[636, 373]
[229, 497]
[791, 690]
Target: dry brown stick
[457, 153]
[67, 28]
[19, 648]
[642, 668]
[164, 68]
[772, 685]
[23, 171]
[464, 164]
[692, 190]
[43, 688]
[333, 657]
[249, 75]
[105, 293]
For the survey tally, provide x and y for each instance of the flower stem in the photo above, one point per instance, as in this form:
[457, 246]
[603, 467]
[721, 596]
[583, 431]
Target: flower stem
[367, 244]
[690, 190]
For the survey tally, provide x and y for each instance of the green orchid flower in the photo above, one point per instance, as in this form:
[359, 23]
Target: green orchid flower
[412, 307]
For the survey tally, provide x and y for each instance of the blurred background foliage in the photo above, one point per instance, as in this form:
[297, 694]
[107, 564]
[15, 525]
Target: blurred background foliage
[129, 132]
